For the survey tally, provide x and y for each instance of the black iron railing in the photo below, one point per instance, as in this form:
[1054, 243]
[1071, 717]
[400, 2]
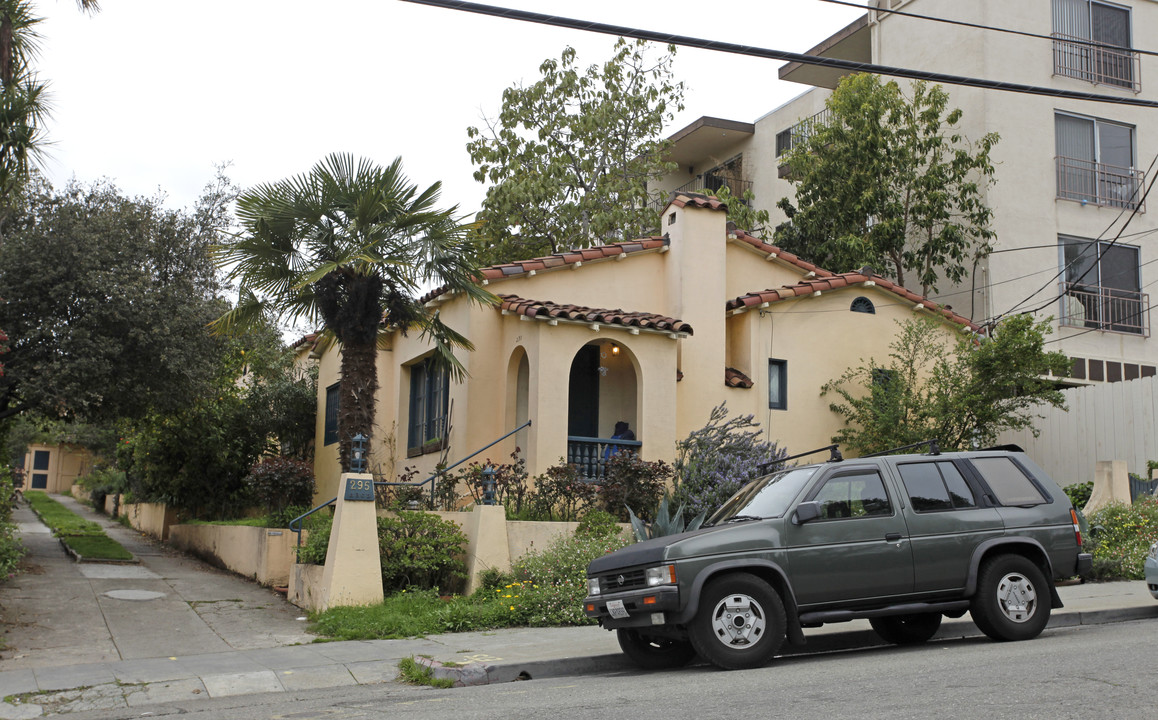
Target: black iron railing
[590, 455]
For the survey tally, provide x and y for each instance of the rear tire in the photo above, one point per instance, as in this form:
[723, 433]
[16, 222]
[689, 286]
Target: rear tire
[1012, 601]
[654, 653]
[907, 629]
[740, 623]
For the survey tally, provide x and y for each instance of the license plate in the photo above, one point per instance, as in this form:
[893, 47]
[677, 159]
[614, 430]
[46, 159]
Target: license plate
[615, 607]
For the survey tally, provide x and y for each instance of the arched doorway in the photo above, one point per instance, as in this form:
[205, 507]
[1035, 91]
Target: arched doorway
[603, 390]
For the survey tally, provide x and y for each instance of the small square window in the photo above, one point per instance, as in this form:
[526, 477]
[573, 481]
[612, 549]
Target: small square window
[671, 219]
[778, 384]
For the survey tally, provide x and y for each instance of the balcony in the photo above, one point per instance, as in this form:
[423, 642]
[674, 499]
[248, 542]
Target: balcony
[1106, 309]
[590, 455]
[1082, 59]
[1099, 183]
[708, 182]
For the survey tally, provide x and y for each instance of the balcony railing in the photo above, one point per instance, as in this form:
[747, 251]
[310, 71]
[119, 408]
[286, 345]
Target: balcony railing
[1078, 58]
[708, 182]
[1108, 309]
[590, 455]
[800, 132]
[1099, 183]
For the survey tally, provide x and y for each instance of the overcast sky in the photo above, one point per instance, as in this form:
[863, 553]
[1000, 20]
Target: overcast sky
[154, 93]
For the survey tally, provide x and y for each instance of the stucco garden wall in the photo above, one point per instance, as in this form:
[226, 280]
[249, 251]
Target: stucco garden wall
[263, 554]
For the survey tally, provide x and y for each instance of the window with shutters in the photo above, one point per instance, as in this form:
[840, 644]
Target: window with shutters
[1093, 42]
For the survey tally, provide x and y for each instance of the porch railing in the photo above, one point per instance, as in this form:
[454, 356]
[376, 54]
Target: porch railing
[1104, 308]
[1099, 183]
[1079, 58]
[590, 454]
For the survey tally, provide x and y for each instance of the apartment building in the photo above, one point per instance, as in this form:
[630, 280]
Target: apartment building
[1069, 173]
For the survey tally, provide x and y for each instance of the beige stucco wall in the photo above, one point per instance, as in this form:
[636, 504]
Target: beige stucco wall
[152, 519]
[260, 553]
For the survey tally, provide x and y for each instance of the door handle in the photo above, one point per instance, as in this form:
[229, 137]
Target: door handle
[892, 537]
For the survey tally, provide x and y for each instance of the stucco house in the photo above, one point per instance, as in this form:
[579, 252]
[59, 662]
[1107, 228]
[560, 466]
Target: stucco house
[54, 468]
[1070, 173]
[654, 332]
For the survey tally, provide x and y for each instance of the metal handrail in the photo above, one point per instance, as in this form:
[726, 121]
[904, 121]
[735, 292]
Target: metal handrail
[298, 520]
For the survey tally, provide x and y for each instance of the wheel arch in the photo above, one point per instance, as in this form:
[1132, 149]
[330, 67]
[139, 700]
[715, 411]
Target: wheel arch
[767, 571]
[1028, 548]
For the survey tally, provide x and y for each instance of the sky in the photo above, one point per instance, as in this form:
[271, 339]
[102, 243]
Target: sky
[155, 94]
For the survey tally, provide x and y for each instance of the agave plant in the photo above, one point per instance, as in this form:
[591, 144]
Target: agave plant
[665, 522]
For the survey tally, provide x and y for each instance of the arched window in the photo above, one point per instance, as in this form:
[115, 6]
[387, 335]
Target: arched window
[863, 305]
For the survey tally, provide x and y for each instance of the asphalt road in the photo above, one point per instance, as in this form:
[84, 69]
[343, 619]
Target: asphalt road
[1078, 672]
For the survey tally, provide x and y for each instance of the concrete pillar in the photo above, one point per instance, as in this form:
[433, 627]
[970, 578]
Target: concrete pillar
[487, 543]
[1111, 483]
[353, 574]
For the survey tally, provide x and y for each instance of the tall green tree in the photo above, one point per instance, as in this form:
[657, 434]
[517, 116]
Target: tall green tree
[889, 180]
[960, 394]
[106, 300]
[568, 159]
[349, 246]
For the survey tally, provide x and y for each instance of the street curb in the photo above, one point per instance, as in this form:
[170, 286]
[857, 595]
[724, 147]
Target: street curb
[478, 674]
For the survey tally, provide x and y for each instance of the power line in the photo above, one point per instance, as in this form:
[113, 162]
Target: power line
[770, 54]
[978, 26]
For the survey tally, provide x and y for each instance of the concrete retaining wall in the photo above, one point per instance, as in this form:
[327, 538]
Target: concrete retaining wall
[151, 518]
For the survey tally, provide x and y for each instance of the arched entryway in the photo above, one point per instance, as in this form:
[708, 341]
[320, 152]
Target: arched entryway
[603, 391]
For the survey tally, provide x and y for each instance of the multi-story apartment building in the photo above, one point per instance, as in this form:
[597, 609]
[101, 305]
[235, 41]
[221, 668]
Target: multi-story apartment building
[1069, 174]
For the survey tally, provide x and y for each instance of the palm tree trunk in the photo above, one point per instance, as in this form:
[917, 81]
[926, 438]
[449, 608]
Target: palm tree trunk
[359, 387]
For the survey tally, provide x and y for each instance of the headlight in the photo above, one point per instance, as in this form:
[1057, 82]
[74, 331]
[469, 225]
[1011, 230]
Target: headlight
[593, 586]
[662, 575]
[1154, 551]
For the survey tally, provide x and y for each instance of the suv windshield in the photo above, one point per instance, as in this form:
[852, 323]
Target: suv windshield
[764, 497]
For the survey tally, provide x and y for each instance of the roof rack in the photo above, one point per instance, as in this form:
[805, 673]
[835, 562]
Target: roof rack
[833, 450]
[934, 448]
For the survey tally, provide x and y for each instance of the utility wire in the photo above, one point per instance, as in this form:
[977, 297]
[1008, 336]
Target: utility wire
[978, 26]
[770, 54]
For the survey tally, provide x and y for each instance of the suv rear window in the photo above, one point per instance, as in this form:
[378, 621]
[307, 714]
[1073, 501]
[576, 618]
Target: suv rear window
[934, 486]
[1008, 483]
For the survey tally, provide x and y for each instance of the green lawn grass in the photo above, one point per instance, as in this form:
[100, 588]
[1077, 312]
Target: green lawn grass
[86, 538]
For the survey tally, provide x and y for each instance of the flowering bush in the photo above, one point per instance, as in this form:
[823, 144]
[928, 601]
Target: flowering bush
[712, 463]
[550, 585]
[1121, 537]
[10, 548]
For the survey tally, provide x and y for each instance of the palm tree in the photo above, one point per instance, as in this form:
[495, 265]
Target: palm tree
[350, 244]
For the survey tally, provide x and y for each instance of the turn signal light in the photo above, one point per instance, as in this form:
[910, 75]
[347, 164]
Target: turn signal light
[649, 600]
[590, 607]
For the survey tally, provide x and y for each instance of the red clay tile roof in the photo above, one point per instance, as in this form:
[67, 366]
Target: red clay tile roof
[309, 339]
[579, 313]
[782, 255]
[697, 200]
[834, 282]
[735, 378]
[562, 259]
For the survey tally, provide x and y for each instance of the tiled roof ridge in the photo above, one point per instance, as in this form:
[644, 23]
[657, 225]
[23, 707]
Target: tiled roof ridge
[581, 313]
[699, 200]
[777, 252]
[830, 281]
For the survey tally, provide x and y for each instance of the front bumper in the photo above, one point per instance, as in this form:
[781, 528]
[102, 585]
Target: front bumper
[645, 607]
[1151, 569]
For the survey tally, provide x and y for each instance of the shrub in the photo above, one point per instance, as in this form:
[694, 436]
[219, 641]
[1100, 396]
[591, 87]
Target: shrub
[1079, 493]
[712, 463]
[510, 482]
[420, 550]
[10, 548]
[1121, 538]
[632, 482]
[313, 551]
[561, 494]
[552, 583]
[598, 523]
[276, 482]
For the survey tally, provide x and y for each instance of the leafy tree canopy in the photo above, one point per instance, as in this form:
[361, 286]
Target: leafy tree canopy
[889, 181]
[569, 157]
[106, 301]
[960, 395]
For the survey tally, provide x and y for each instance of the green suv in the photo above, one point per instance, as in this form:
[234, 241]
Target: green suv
[901, 540]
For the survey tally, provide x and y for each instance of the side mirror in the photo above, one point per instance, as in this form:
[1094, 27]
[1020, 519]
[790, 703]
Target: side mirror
[806, 512]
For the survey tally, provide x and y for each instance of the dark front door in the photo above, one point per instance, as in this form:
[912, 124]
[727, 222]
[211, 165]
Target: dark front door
[583, 395]
[40, 462]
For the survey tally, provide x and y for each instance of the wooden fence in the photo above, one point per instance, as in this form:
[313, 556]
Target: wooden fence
[1111, 421]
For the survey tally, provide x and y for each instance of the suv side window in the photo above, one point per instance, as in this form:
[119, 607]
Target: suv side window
[935, 486]
[852, 495]
[1009, 484]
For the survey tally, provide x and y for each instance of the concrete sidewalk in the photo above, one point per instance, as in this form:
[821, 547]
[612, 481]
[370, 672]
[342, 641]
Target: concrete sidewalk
[172, 629]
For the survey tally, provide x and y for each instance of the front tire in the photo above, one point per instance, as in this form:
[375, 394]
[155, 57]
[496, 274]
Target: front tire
[1012, 600]
[740, 623]
[907, 629]
[654, 653]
